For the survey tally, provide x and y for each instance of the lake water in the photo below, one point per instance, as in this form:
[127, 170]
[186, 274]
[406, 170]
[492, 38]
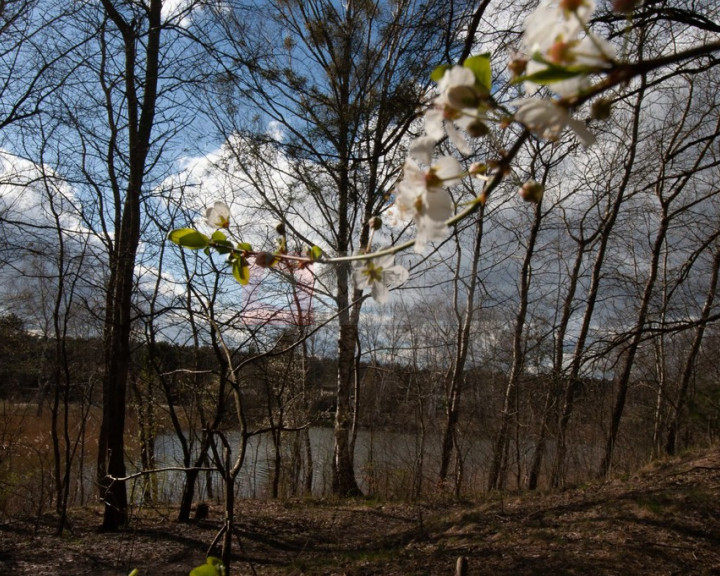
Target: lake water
[385, 463]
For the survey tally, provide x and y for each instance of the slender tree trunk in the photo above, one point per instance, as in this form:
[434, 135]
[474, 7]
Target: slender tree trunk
[688, 370]
[572, 380]
[509, 412]
[343, 482]
[309, 466]
[623, 381]
[552, 394]
[462, 345]
[111, 457]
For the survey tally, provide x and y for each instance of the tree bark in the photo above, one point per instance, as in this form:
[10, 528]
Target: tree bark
[118, 318]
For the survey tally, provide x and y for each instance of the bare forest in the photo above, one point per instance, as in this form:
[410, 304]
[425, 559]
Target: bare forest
[195, 196]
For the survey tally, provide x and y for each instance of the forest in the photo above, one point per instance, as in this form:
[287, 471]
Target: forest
[196, 196]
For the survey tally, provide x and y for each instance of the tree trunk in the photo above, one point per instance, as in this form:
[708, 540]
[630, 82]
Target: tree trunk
[111, 457]
[688, 370]
[572, 380]
[462, 344]
[343, 469]
[500, 447]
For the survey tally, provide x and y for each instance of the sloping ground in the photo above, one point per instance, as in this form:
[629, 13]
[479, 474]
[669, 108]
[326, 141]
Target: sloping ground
[663, 520]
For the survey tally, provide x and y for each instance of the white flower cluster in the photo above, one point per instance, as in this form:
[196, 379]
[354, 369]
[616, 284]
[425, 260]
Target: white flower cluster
[563, 54]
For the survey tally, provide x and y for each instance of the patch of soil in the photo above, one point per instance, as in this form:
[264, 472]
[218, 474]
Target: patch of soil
[663, 520]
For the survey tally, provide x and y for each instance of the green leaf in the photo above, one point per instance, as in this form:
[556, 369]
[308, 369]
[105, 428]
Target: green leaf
[439, 72]
[223, 247]
[206, 570]
[241, 271]
[480, 66]
[212, 567]
[315, 253]
[189, 238]
[244, 246]
[221, 243]
[134, 572]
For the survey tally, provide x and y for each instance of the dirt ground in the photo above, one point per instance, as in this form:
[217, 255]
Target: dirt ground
[663, 520]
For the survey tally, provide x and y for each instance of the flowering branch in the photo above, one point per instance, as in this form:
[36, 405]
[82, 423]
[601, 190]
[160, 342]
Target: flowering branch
[565, 57]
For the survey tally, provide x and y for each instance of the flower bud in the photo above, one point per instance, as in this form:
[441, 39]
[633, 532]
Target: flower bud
[463, 97]
[375, 223]
[570, 5]
[625, 6]
[264, 259]
[561, 52]
[532, 191]
[505, 121]
[601, 109]
[280, 228]
[517, 66]
[477, 129]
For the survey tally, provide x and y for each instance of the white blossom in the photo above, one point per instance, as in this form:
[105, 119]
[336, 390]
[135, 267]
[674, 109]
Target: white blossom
[379, 274]
[548, 119]
[422, 194]
[553, 19]
[455, 105]
[591, 53]
[556, 33]
[218, 215]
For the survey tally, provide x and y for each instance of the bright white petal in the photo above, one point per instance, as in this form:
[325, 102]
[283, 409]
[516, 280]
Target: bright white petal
[380, 292]
[359, 280]
[218, 215]
[438, 205]
[395, 275]
[427, 231]
[448, 169]
[456, 76]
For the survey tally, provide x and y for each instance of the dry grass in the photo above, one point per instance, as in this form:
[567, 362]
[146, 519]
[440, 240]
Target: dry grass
[663, 520]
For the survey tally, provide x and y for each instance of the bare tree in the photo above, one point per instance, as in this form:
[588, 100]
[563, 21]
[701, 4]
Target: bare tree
[343, 91]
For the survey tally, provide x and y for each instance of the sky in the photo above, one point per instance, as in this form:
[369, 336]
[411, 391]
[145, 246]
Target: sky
[199, 176]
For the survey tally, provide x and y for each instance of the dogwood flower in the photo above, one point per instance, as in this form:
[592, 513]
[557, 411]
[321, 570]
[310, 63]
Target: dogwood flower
[218, 215]
[548, 119]
[422, 194]
[379, 274]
